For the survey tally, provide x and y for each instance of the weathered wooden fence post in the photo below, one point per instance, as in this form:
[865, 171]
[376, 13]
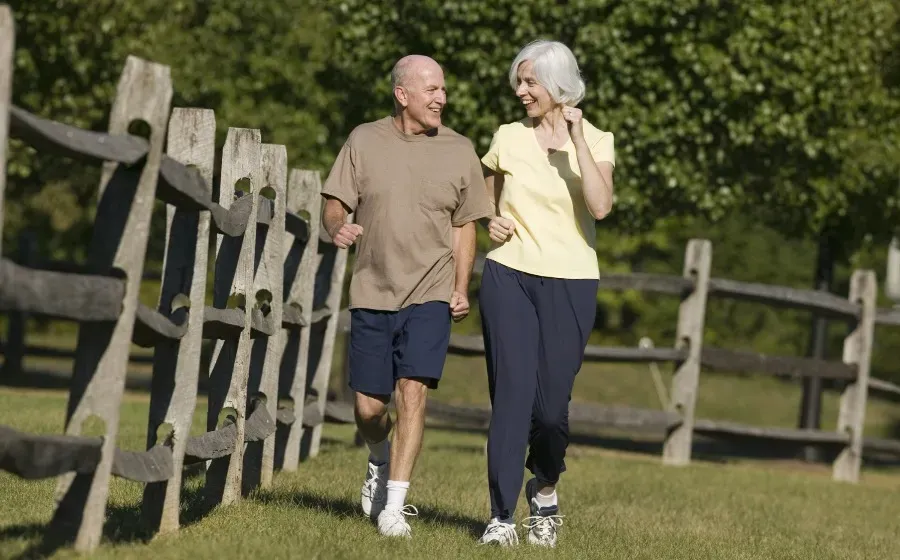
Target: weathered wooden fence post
[119, 243]
[7, 49]
[330, 274]
[241, 161]
[176, 364]
[689, 335]
[300, 262]
[858, 352]
[892, 276]
[263, 377]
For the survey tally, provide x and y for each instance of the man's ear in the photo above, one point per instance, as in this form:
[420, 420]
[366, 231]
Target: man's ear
[401, 96]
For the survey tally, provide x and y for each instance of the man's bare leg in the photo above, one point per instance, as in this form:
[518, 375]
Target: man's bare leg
[372, 418]
[411, 395]
[374, 424]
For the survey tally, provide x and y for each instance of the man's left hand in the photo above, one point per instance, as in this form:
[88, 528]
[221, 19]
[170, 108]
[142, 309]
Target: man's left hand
[459, 306]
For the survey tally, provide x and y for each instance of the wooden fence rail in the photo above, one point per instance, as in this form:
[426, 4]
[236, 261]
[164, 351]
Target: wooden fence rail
[678, 423]
[270, 262]
[689, 354]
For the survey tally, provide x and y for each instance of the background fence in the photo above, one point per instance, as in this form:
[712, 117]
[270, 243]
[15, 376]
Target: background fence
[677, 422]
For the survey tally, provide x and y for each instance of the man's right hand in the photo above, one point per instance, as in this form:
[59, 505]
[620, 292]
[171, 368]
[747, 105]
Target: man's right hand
[346, 235]
[501, 229]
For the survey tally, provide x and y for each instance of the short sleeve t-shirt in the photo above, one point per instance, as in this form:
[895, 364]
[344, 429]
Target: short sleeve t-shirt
[555, 232]
[407, 192]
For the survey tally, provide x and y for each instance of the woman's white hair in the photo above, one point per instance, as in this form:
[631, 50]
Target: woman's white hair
[555, 68]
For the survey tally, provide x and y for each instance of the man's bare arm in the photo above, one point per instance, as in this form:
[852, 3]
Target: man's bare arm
[494, 183]
[334, 218]
[464, 255]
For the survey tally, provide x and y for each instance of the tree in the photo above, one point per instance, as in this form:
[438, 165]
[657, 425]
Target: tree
[785, 110]
[776, 107]
[254, 64]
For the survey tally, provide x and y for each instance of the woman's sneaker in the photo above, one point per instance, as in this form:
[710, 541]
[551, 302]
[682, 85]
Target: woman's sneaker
[499, 533]
[544, 521]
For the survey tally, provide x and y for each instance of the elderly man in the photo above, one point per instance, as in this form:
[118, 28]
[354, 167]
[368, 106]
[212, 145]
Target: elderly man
[416, 189]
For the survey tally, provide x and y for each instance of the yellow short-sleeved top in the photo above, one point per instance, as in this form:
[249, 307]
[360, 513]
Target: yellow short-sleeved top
[555, 232]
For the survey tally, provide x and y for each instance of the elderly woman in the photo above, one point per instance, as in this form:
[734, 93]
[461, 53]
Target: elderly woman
[550, 177]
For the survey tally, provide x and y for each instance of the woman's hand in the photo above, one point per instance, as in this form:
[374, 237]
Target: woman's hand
[575, 123]
[501, 229]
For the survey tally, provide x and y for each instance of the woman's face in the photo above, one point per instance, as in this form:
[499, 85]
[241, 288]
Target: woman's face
[534, 96]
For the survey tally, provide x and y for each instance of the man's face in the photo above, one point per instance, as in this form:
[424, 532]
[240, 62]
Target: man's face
[426, 96]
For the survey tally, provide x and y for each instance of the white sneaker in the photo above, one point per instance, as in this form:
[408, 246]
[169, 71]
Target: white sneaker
[392, 522]
[544, 521]
[497, 532]
[374, 491]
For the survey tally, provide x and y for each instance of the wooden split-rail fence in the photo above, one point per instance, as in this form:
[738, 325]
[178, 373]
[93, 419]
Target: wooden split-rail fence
[677, 423]
[275, 284]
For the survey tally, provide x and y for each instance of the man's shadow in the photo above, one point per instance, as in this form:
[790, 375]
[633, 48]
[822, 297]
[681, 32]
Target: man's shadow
[342, 507]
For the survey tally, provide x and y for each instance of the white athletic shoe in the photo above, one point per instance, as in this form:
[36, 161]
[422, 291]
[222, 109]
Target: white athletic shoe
[392, 522]
[544, 521]
[373, 495]
[499, 533]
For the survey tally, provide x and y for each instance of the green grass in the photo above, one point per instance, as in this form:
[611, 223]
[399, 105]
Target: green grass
[618, 505]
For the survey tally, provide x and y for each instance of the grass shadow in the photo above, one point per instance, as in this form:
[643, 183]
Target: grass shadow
[124, 524]
[30, 532]
[336, 507]
[473, 527]
[342, 507]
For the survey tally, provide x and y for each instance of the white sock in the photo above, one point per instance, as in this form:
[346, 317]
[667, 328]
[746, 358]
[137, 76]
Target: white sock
[379, 453]
[546, 500]
[396, 497]
[506, 520]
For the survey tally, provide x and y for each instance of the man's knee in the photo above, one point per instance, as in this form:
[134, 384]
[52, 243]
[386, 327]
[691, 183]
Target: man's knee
[369, 408]
[411, 394]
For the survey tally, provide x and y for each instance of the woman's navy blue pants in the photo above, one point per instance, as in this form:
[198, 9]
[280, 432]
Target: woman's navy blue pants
[535, 331]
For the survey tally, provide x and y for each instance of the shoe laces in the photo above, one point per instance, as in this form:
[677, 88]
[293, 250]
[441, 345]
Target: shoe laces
[409, 510]
[507, 530]
[370, 487]
[400, 515]
[543, 525]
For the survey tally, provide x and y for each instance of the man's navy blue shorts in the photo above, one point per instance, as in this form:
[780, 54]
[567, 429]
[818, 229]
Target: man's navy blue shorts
[389, 345]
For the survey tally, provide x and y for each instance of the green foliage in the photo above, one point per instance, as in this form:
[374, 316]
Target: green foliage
[253, 63]
[65, 68]
[778, 108]
[769, 120]
[782, 109]
[741, 251]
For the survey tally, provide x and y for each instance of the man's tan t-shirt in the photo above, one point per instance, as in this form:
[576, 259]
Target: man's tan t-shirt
[407, 193]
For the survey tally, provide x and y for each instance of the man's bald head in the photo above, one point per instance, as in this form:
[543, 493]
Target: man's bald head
[411, 66]
[419, 93]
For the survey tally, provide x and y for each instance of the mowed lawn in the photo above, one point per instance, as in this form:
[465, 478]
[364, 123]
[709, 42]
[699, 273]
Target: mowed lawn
[617, 504]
